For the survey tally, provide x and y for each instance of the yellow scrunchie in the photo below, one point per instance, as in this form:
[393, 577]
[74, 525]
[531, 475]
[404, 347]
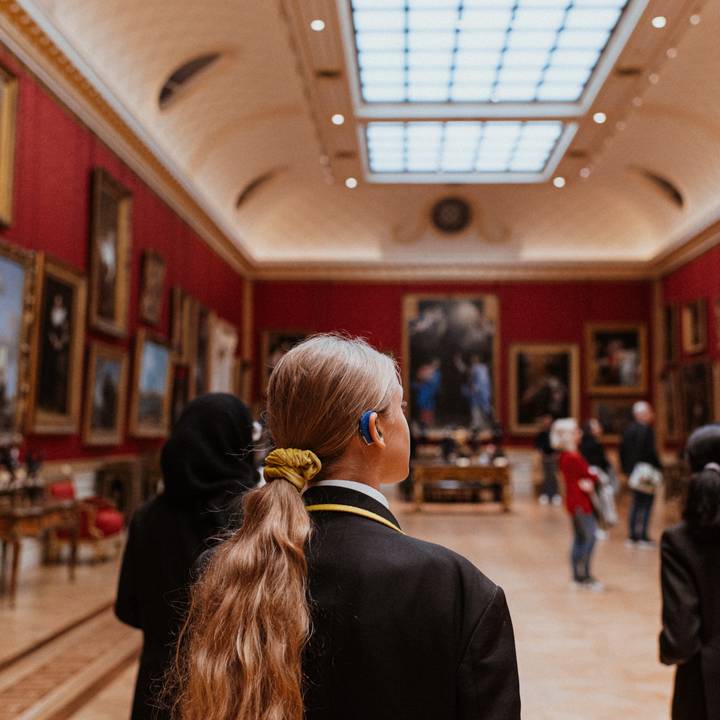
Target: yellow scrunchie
[298, 467]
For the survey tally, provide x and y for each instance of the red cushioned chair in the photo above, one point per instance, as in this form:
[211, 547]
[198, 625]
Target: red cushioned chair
[101, 524]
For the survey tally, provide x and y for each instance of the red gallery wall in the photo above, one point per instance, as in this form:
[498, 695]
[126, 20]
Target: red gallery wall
[529, 312]
[55, 155]
[698, 279]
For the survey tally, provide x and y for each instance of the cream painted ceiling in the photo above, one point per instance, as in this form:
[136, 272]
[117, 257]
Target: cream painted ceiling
[261, 107]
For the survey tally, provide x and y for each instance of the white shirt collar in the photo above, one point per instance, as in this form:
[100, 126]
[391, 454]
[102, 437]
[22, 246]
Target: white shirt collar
[360, 487]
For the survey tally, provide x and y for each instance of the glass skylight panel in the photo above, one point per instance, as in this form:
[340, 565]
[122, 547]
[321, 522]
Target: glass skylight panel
[461, 146]
[510, 45]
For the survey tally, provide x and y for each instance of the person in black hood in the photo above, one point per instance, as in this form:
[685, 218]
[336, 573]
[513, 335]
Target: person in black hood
[207, 465]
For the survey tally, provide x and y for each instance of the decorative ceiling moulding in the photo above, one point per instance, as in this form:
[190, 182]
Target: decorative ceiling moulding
[25, 38]
[685, 251]
[465, 273]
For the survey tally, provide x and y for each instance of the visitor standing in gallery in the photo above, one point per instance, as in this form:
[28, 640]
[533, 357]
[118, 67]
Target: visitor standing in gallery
[320, 606]
[640, 462]
[580, 482]
[207, 464]
[690, 572]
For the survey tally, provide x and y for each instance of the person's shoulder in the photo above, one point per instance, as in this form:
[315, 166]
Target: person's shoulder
[675, 538]
[446, 564]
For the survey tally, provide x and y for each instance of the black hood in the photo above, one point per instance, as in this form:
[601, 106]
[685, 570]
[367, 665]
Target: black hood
[209, 455]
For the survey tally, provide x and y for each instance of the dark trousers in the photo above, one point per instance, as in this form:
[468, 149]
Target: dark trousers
[584, 526]
[640, 515]
[550, 484]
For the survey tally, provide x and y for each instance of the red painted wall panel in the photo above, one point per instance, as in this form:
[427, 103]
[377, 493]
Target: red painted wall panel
[55, 155]
[529, 312]
[700, 278]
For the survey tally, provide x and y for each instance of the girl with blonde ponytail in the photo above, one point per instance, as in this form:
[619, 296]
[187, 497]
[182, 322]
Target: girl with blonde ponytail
[319, 606]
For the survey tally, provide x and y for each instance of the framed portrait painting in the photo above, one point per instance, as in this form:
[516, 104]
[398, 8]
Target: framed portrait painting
[18, 281]
[109, 254]
[152, 287]
[151, 387]
[58, 350]
[180, 391]
[694, 327]
[221, 355]
[616, 357]
[613, 414]
[8, 117]
[697, 395]
[450, 347]
[105, 394]
[671, 411]
[181, 319]
[670, 332]
[200, 350]
[275, 344]
[544, 380]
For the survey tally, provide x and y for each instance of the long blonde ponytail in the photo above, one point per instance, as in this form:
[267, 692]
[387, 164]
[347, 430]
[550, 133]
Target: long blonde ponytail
[239, 656]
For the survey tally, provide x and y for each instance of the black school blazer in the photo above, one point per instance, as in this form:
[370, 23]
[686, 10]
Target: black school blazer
[690, 637]
[402, 629]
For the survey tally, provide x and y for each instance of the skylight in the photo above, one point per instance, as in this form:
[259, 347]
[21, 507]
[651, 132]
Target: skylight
[480, 51]
[454, 147]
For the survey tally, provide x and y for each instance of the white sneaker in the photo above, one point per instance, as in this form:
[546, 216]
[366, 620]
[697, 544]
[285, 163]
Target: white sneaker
[593, 585]
[543, 500]
[646, 544]
[631, 543]
[601, 534]
[557, 500]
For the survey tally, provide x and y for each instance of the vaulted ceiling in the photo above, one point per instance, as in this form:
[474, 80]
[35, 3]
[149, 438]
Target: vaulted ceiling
[251, 137]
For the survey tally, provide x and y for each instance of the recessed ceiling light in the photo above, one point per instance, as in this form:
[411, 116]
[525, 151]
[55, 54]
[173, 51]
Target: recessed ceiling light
[559, 182]
[317, 25]
[659, 22]
[694, 19]
[338, 119]
[653, 78]
[599, 117]
[351, 183]
[621, 125]
[637, 101]
[585, 172]
[672, 53]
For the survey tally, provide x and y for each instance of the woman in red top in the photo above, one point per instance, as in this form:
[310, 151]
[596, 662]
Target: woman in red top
[579, 484]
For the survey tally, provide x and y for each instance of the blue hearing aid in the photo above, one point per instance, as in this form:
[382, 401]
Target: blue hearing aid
[364, 427]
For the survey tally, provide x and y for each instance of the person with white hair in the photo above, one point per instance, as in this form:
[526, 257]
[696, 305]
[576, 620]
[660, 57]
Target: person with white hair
[640, 462]
[580, 482]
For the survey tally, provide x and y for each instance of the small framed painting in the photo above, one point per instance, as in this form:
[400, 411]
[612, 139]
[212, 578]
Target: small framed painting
[221, 355]
[544, 380]
[275, 344]
[670, 329]
[8, 117]
[613, 414]
[616, 357]
[672, 416]
[181, 319]
[109, 254]
[152, 286]
[697, 396]
[694, 327]
[200, 350]
[18, 281]
[151, 387]
[180, 392]
[105, 394]
[58, 350]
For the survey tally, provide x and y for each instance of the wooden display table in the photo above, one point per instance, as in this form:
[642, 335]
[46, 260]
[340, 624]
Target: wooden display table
[485, 477]
[33, 521]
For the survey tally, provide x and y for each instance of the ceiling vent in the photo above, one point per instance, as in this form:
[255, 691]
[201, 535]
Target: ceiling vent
[179, 80]
[628, 71]
[328, 74]
[451, 215]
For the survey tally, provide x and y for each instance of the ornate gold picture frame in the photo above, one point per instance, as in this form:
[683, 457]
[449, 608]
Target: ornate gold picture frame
[8, 119]
[152, 287]
[105, 395]
[18, 281]
[694, 327]
[544, 380]
[109, 254]
[151, 387]
[222, 347]
[616, 358]
[58, 348]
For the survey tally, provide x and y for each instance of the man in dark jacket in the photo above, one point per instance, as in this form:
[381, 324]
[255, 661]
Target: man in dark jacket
[638, 446]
